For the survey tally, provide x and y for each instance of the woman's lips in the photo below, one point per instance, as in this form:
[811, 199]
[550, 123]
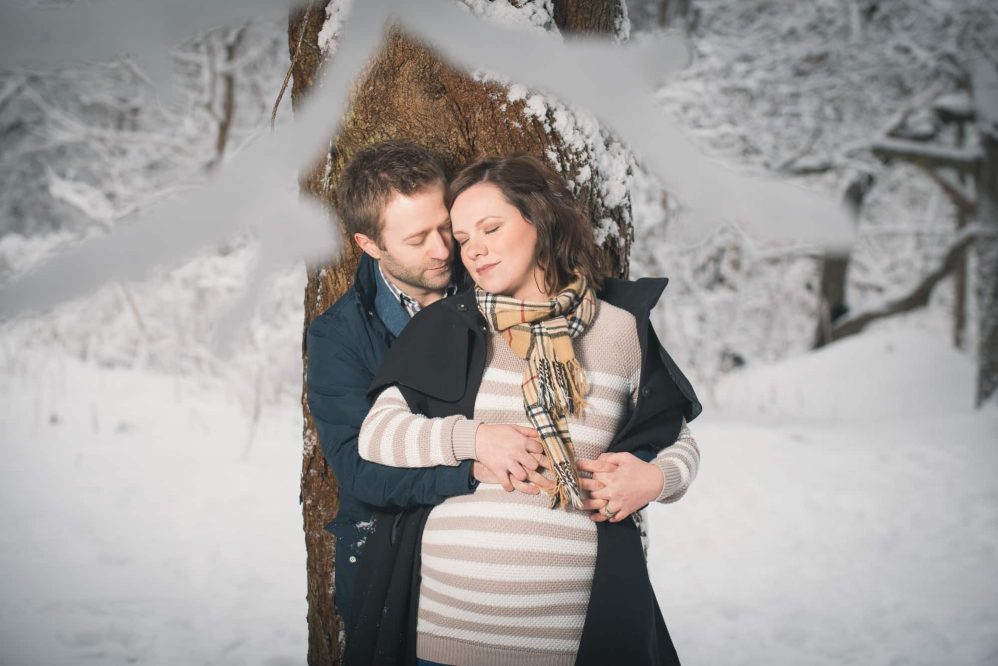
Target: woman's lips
[485, 268]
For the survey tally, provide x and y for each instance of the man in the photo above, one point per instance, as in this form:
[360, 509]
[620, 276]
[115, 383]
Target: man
[391, 202]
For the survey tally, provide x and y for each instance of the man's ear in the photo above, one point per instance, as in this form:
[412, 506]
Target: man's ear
[367, 244]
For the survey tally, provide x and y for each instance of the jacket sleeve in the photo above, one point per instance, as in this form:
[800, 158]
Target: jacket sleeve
[337, 398]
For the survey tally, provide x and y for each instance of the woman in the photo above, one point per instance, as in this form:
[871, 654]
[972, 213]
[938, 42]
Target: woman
[544, 343]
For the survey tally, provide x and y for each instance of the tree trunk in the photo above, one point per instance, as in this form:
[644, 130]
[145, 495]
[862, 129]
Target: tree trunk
[986, 248]
[984, 84]
[673, 13]
[589, 16]
[319, 498]
[409, 92]
[833, 269]
[960, 270]
[832, 296]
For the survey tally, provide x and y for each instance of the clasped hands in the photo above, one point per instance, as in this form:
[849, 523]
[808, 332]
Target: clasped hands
[513, 457]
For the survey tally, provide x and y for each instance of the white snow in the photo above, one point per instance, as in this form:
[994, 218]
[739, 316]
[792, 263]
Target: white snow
[137, 529]
[536, 16]
[336, 12]
[957, 103]
[854, 543]
[831, 386]
[845, 513]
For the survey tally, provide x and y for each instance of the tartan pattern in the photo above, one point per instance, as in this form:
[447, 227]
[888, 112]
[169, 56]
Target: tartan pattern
[554, 382]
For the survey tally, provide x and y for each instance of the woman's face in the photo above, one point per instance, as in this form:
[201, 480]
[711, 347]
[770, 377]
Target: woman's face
[498, 245]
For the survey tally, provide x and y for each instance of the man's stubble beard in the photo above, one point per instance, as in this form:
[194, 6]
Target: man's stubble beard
[416, 277]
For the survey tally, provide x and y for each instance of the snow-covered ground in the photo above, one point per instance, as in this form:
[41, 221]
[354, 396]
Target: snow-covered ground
[850, 518]
[143, 522]
[845, 513]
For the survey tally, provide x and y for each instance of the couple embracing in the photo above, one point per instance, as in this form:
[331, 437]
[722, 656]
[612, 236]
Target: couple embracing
[497, 412]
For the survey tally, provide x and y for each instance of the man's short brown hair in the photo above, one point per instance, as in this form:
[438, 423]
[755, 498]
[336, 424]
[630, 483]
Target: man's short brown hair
[375, 174]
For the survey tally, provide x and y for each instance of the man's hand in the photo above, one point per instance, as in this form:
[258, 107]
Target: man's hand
[621, 484]
[507, 451]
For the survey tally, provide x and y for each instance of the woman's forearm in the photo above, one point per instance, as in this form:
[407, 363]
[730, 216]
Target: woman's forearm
[392, 435]
[679, 464]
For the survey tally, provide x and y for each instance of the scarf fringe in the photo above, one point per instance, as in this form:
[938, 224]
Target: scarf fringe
[578, 386]
[566, 493]
[562, 387]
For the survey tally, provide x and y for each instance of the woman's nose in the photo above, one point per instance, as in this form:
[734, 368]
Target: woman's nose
[474, 249]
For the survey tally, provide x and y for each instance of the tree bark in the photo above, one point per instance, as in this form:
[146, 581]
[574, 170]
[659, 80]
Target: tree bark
[588, 16]
[409, 92]
[984, 77]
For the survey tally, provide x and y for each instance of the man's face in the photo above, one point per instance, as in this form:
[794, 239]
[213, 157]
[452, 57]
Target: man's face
[416, 243]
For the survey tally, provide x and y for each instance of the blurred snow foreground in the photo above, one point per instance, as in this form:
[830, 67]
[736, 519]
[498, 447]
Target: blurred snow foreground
[253, 189]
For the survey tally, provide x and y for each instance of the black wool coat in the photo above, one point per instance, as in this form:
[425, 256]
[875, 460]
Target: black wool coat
[438, 363]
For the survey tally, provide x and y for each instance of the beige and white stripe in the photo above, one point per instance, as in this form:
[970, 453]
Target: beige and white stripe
[506, 579]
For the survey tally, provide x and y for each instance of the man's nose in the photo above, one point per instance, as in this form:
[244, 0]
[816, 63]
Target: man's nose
[441, 247]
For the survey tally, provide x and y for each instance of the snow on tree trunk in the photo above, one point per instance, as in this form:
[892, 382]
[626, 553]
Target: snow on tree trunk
[409, 92]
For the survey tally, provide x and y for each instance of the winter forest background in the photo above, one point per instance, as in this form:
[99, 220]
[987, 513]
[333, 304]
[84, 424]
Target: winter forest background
[845, 511]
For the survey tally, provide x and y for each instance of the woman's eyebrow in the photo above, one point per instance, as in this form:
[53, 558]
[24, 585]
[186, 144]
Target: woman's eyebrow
[478, 224]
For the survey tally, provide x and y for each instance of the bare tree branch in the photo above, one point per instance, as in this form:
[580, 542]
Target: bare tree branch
[228, 110]
[964, 160]
[957, 193]
[916, 298]
[291, 66]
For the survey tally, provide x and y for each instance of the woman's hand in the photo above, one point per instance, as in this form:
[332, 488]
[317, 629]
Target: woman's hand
[534, 483]
[507, 451]
[621, 484]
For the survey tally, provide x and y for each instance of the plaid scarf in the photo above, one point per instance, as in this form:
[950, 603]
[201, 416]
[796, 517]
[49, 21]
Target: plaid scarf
[554, 383]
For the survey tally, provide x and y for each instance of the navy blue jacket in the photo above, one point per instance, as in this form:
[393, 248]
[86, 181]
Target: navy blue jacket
[345, 347]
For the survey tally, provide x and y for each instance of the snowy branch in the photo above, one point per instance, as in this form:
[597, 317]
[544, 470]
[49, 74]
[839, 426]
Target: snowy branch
[963, 160]
[917, 297]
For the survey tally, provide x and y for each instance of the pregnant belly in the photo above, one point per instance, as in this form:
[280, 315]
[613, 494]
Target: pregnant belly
[503, 569]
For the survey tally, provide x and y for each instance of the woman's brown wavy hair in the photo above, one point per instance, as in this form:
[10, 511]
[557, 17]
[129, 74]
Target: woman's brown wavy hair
[566, 246]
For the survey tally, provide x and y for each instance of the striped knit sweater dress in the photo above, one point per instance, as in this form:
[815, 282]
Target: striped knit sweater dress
[505, 578]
